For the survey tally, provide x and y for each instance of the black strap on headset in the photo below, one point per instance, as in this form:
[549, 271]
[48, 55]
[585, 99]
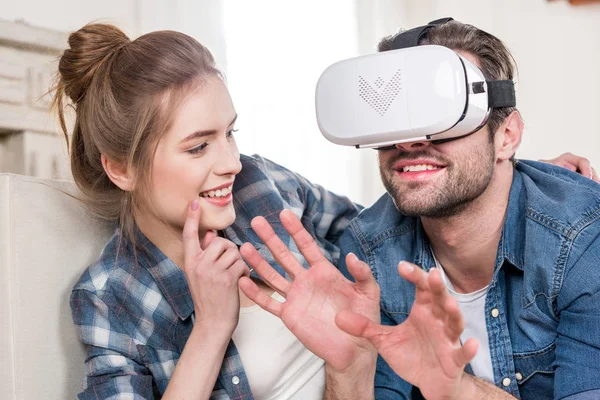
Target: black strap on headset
[411, 37]
[501, 94]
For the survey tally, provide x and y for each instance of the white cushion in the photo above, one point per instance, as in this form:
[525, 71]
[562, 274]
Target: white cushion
[47, 238]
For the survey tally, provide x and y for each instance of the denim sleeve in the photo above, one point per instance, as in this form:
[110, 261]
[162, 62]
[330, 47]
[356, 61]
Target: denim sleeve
[578, 341]
[113, 366]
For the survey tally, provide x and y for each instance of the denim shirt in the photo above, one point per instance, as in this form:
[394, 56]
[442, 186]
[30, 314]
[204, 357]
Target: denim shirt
[543, 305]
[134, 312]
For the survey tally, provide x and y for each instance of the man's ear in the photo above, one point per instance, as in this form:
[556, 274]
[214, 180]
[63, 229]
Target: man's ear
[509, 135]
[118, 173]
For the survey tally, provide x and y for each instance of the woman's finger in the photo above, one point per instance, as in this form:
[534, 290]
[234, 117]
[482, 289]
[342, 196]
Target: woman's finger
[191, 243]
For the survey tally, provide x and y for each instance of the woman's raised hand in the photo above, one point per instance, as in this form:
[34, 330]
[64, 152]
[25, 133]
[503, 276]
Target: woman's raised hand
[212, 269]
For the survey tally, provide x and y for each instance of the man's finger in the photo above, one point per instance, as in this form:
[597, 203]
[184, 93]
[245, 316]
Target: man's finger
[305, 242]
[439, 293]
[570, 167]
[191, 243]
[595, 175]
[360, 326]
[455, 323]
[584, 167]
[265, 302]
[463, 355]
[365, 282]
[278, 249]
[413, 274]
[262, 268]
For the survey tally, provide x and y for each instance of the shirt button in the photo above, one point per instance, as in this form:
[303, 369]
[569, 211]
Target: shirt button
[235, 380]
[506, 381]
[495, 312]
[519, 376]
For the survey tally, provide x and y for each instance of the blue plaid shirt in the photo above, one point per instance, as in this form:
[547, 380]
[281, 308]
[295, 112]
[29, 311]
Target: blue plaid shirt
[135, 316]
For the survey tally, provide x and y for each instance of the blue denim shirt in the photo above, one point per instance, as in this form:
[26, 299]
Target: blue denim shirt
[545, 339]
[134, 311]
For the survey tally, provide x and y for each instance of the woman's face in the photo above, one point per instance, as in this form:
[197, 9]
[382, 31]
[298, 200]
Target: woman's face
[197, 159]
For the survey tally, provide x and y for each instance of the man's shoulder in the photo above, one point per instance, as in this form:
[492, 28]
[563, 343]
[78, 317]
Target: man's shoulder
[562, 201]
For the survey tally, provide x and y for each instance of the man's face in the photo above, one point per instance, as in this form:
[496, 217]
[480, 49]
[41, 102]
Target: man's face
[438, 180]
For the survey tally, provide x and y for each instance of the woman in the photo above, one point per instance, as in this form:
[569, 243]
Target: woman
[153, 144]
[152, 147]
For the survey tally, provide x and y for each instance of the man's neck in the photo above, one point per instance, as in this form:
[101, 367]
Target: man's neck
[466, 244]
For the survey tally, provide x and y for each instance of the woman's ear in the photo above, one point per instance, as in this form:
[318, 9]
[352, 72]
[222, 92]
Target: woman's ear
[118, 173]
[508, 136]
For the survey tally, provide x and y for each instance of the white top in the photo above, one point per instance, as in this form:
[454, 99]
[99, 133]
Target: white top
[472, 307]
[277, 364]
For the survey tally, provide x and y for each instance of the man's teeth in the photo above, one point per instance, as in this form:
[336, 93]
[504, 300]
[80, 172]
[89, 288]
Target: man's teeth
[420, 167]
[217, 193]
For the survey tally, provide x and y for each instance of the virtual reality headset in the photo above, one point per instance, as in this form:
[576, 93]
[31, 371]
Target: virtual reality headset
[411, 93]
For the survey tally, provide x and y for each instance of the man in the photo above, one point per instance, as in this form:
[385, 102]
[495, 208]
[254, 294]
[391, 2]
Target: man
[517, 250]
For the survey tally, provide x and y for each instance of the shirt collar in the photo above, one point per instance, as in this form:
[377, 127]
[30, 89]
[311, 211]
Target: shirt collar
[512, 242]
[167, 275]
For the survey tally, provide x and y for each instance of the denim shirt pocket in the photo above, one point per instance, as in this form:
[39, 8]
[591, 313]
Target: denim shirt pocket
[535, 371]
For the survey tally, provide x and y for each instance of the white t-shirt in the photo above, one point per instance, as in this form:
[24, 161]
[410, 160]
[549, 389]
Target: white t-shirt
[472, 307]
[277, 364]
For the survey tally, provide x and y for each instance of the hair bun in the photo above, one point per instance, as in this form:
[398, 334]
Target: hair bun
[90, 47]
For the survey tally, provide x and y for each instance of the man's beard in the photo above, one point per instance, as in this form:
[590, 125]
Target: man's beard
[462, 185]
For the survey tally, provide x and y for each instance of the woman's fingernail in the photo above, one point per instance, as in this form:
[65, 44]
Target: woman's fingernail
[195, 205]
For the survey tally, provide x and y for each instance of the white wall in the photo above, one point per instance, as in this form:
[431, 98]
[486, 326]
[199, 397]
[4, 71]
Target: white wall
[201, 19]
[557, 49]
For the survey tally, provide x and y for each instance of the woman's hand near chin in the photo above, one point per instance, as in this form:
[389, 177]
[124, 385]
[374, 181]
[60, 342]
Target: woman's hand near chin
[212, 269]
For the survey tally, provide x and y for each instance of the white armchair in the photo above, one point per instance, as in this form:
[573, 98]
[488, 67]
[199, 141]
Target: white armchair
[47, 238]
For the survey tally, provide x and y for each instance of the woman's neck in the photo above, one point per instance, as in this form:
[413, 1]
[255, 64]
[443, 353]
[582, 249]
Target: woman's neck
[167, 238]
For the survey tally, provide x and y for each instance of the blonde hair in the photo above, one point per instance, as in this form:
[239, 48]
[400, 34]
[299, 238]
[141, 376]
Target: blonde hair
[123, 93]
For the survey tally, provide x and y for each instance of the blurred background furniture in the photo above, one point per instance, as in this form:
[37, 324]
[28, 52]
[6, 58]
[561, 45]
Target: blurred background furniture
[47, 238]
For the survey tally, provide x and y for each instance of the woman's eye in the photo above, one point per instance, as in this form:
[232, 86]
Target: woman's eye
[198, 149]
[231, 132]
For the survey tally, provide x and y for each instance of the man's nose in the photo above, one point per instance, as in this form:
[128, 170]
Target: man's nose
[413, 146]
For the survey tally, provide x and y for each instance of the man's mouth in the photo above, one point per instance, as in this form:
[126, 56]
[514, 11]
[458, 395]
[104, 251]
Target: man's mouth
[420, 168]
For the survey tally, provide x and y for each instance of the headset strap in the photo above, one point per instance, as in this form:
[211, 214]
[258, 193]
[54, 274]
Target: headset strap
[501, 94]
[411, 37]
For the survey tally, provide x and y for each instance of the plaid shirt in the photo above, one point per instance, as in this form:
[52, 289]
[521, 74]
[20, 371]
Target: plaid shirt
[135, 316]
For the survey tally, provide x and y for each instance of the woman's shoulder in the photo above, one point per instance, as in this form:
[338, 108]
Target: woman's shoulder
[114, 268]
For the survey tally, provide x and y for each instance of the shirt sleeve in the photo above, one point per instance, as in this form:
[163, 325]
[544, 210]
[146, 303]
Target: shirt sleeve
[114, 369]
[578, 331]
[324, 214]
[329, 214]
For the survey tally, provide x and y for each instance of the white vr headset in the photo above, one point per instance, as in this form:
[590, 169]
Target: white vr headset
[412, 93]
